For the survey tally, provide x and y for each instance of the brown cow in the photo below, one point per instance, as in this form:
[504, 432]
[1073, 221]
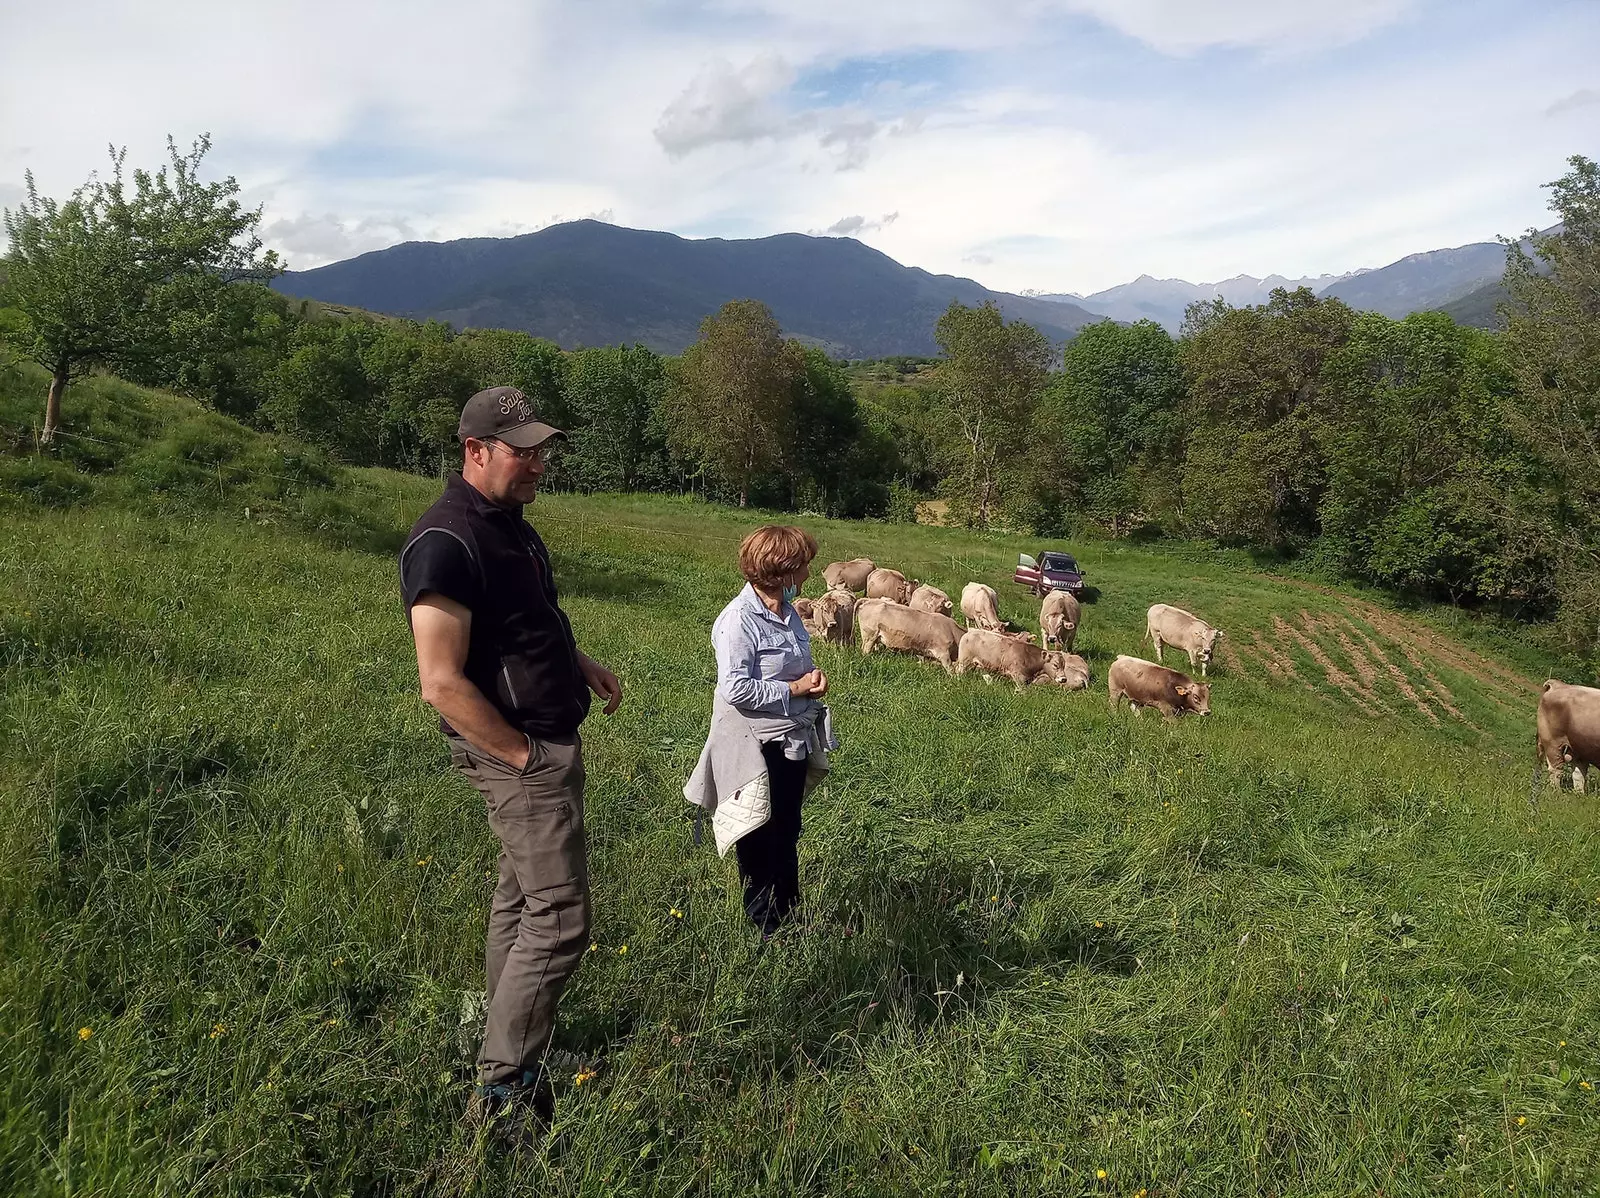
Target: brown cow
[1569, 730]
[927, 598]
[1058, 620]
[829, 617]
[1145, 684]
[889, 584]
[981, 606]
[1010, 657]
[904, 629]
[1165, 625]
[849, 576]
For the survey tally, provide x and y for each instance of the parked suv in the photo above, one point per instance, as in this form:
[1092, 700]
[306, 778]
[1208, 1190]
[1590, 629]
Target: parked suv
[1051, 571]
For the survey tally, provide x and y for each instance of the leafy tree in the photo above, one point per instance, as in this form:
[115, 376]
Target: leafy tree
[108, 278]
[619, 440]
[321, 392]
[1110, 427]
[1419, 467]
[1553, 346]
[505, 358]
[732, 399]
[991, 378]
[1253, 468]
[419, 382]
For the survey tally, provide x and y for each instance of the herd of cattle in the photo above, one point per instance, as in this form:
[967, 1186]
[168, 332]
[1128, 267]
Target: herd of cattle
[886, 608]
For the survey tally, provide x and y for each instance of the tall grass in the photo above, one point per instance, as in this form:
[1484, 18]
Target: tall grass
[1293, 949]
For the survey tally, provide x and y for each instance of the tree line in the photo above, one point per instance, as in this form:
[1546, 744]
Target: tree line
[1417, 454]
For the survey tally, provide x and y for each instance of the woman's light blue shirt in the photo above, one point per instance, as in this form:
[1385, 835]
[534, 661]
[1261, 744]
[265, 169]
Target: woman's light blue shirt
[759, 654]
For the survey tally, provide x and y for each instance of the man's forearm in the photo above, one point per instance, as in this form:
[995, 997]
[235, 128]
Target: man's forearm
[466, 710]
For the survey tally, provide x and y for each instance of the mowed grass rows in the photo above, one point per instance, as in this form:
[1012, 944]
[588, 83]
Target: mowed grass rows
[1319, 943]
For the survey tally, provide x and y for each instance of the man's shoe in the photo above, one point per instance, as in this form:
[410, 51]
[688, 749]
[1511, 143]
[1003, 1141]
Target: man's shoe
[517, 1116]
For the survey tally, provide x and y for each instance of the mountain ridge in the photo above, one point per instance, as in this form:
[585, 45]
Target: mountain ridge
[590, 283]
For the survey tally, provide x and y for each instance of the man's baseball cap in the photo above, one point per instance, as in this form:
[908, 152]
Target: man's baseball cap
[505, 414]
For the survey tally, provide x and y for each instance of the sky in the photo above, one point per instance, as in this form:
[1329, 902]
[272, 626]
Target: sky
[1044, 145]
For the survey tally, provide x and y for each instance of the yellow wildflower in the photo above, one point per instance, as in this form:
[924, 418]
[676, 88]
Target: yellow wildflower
[338, 961]
[339, 866]
[1521, 1120]
[994, 898]
[623, 951]
[677, 914]
[1586, 1085]
[1100, 1174]
[218, 1030]
[1561, 1043]
[423, 861]
[1099, 923]
[594, 948]
[583, 1075]
[85, 1032]
[330, 1023]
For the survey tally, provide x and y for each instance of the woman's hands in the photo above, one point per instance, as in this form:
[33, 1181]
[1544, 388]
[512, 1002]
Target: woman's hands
[813, 685]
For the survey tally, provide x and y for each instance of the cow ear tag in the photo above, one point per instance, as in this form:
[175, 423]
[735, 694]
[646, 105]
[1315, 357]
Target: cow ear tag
[1182, 690]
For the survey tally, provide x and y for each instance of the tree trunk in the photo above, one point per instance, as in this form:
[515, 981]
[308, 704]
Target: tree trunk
[52, 405]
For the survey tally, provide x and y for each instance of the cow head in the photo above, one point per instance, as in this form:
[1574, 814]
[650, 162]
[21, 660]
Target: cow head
[1065, 669]
[1196, 696]
[1210, 646]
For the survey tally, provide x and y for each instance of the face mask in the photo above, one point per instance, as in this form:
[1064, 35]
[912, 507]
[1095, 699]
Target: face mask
[789, 593]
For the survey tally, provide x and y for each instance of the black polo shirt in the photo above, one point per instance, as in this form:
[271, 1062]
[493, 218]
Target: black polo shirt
[488, 559]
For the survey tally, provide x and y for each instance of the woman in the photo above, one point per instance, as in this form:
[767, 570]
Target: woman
[770, 731]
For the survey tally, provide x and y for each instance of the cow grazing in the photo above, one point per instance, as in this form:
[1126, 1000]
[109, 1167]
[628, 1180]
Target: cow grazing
[904, 629]
[927, 598]
[981, 606]
[1173, 626]
[1145, 684]
[889, 584]
[1058, 620]
[1569, 730]
[830, 617]
[993, 653]
[848, 576]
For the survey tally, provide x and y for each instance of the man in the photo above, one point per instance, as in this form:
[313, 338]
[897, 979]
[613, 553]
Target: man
[497, 660]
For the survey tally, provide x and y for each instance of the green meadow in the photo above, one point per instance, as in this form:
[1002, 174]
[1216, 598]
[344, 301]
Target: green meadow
[1336, 939]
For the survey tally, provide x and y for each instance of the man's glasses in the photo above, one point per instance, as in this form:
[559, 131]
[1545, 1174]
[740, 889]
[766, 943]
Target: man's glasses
[540, 453]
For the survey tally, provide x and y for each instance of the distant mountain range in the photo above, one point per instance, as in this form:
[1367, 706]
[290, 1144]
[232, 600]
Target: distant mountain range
[1165, 300]
[588, 283]
[1463, 281]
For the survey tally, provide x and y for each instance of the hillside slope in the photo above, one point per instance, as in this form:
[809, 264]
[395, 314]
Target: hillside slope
[589, 283]
[1319, 943]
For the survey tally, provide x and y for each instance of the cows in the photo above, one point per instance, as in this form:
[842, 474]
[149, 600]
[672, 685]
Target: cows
[830, 617]
[849, 576]
[1569, 730]
[889, 584]
[981, 606]
[902, 615]
[1146, 684]
[1166, 625]
[927, 598]
[1058, 620]
[904, 629]
[995, 654]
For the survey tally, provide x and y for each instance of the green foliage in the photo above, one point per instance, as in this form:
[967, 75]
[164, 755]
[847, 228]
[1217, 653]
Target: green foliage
[615, 399]
[731, 404]
[1253, 473]
[1553, 347]
[1421, 476]
[1110, 427]
[990, 381]
[110, 278]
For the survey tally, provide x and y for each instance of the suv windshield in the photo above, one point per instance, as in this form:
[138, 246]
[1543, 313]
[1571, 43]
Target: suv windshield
[1058, 561]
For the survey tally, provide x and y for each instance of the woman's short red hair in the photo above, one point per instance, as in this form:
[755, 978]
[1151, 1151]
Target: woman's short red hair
[775, 551]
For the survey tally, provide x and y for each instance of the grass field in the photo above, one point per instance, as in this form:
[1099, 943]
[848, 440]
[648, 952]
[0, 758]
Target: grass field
[1322, 943]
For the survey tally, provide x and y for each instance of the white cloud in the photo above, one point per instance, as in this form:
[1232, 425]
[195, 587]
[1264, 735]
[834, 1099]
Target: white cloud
[1582, 98]
[854, 226]
[1186, 26]
[1015, 135]
[724, 104]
